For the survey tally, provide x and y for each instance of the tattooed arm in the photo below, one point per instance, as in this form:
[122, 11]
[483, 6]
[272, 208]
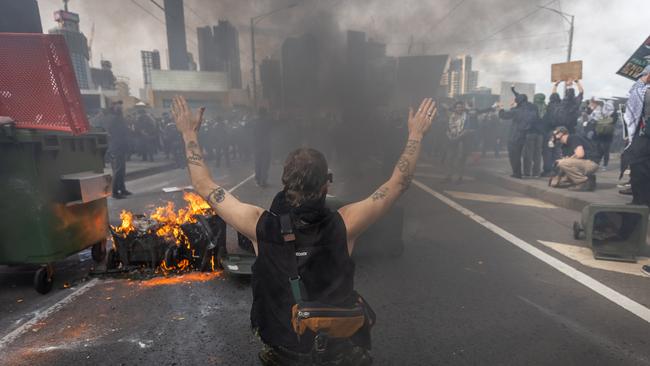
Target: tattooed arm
[243, 217]
[360, 215]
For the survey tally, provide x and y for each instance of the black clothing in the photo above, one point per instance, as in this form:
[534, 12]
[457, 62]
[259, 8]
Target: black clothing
[569, 110]
[118, 165]
[591, 152]
[525, 119]
[324, 265]
[515, 149]
[118, 133]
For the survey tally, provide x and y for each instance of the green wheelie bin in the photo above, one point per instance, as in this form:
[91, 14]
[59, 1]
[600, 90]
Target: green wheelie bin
[53, 194]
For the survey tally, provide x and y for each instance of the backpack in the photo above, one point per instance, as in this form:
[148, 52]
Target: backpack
[605, 126]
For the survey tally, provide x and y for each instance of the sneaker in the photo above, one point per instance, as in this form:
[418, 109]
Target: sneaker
[626, 191]
[126, 193]
[603, 169]
[118, 196]
[624, 185]
[646, 270]
[516, 176]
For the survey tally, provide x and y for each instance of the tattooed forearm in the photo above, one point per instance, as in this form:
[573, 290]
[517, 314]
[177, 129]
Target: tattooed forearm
[380, 194]
[405, 183]
[403, 164]
[194, 156]
[411, 147]
[217, 196]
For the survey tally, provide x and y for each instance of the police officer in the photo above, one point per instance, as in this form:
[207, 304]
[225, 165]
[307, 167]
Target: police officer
[323, 262]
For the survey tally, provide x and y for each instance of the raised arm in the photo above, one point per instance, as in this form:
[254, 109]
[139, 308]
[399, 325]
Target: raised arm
[555, 85]
[360, 215]
[243, 217]
[581, 89]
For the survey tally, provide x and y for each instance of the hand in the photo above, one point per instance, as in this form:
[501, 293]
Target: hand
[557, 83]
[420, 121]
[186, 121]
[513, 104]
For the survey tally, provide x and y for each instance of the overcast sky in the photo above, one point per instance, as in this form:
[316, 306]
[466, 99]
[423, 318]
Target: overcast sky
[606, 32]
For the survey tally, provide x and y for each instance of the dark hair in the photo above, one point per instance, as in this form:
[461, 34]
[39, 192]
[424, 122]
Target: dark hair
[305, 173]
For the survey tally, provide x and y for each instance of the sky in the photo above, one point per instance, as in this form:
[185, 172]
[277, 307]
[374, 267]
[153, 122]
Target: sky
[511, 40]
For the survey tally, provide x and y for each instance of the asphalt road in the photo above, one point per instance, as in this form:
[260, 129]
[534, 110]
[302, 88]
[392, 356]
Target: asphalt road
[473, 287]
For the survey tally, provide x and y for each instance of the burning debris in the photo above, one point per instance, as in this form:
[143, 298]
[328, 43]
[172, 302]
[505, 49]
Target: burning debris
[169, 239]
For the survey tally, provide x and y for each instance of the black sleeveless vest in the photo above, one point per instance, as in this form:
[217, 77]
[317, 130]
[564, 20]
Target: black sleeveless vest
[324, 265]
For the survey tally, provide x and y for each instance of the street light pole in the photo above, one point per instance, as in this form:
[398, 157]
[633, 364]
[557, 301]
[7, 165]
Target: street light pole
[255, 20]
[570, 19]
[253, 62]
[570, 39]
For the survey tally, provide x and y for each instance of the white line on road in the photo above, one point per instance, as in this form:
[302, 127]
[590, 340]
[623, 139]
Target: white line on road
[598, 287]
[241, 183]
[14, 334]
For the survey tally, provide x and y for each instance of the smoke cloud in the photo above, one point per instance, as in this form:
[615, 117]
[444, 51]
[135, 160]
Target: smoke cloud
[607, 32]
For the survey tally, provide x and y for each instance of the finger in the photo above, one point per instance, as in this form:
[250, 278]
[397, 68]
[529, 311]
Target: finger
[421, 108]
[432, 106]
[184, 107]
[410, 113]
[201, 111]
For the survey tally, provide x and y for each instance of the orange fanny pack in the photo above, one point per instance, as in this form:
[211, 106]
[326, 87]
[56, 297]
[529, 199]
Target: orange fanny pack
[336, 322]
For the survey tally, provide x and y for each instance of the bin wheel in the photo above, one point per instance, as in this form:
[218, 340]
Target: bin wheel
[98, 251]
[112, 260]
[577, 231]
[171, 256]
[43, 279]
[218, 260]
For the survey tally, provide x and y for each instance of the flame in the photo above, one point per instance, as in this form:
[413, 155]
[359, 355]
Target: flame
[169, 222]
[127, 224]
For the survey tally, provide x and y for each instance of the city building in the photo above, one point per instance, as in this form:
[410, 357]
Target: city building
[271, 79]
[460, 78]
[208, 89]
[68, 27]
[300, 63]
[103, 77]
[150, 61]
[20, 17]
[219, 51]
[176, 41]
[97, 85]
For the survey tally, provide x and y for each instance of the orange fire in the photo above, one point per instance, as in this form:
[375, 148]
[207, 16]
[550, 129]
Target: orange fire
[127, 224]
[169, 222]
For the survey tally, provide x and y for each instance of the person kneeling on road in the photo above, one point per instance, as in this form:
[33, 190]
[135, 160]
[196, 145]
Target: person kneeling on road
[577, 170]
[305, 308]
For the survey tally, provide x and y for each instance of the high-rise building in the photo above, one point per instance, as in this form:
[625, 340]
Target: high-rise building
[300, 71]
[460, 78]
[219, 51]
[20, 17]
[226, 37]
[176, 42]
[150, 61]
[103, 77]
[77, 45]
[208, 60]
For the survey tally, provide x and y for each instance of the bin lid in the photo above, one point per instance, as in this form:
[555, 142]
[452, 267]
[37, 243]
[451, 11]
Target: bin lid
[38, 88]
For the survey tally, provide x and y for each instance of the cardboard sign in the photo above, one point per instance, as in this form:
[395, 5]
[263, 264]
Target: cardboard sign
[635, 64]
[566, 71]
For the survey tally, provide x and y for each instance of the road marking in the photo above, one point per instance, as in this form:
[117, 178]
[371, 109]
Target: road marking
[519, 201]
[441, 176]
[598, 287]
[41, 315]
[585, 256]
[241, 183]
